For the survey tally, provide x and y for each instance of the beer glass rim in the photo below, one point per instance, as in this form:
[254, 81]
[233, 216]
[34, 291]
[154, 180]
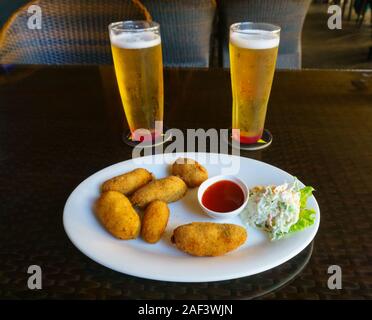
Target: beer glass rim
[254, 27]
[134, 26]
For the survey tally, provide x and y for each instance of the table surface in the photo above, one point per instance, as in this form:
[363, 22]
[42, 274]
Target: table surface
[58, 125]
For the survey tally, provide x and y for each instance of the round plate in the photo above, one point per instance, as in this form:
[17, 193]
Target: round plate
[163, 261]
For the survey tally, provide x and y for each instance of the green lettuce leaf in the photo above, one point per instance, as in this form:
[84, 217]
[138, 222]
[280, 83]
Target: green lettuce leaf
[306, 216]
[306, 192]
[306, 219]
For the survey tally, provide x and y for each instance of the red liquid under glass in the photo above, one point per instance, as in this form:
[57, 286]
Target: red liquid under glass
[141, 136]
[245, 139]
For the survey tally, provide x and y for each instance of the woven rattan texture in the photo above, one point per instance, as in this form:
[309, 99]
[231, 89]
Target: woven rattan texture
[59, 125]
[72, 32]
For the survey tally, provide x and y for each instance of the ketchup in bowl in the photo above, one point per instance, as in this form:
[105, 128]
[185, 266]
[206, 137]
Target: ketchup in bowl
[223, 196]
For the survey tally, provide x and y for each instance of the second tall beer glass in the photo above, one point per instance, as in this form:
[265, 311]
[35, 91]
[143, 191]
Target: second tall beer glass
[136, 50]
[253, 52]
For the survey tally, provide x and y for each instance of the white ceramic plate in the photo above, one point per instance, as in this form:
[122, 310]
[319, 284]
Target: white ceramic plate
[162, 261]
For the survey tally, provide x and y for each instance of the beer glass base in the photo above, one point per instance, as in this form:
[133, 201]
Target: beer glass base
[127, 139]
[263, 143]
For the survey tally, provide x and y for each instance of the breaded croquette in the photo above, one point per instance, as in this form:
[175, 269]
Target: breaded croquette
[190, 171]
[168, 189]
[154, 221]
[117, 215]
[129, 182]
[205, 239]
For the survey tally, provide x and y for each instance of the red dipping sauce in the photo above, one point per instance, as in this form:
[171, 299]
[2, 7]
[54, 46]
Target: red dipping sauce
[223, 196]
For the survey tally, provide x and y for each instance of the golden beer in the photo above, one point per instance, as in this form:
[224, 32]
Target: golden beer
[253, 56]
[138, 65]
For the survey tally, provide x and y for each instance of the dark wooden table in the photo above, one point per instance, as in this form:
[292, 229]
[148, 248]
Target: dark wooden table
[59, 125]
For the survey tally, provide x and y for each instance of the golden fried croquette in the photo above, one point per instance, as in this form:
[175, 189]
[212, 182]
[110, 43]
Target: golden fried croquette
[190, 171]
[168, 189]
[117, 215]
[205, 239]
[154, 221]
[128, 182]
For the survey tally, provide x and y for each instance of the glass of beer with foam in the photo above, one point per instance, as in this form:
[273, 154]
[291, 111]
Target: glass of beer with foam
[137, 55]
[253, 52]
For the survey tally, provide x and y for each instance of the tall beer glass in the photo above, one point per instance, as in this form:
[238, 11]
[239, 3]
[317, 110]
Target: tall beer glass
[136, 51]
[253, 52]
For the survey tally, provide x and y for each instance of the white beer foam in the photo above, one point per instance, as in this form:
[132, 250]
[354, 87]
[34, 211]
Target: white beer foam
[255, 39]
[136, 40]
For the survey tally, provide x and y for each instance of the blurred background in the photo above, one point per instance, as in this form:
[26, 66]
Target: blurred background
[194, 32]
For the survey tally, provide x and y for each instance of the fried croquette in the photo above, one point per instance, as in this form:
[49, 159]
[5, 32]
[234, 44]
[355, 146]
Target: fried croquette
[206, 239]
[117, 215]
[154, 221]
[168, 189]
[190, 171]
[129, 182]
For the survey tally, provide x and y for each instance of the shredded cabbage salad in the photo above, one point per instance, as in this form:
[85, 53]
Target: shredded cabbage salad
[279, 210]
